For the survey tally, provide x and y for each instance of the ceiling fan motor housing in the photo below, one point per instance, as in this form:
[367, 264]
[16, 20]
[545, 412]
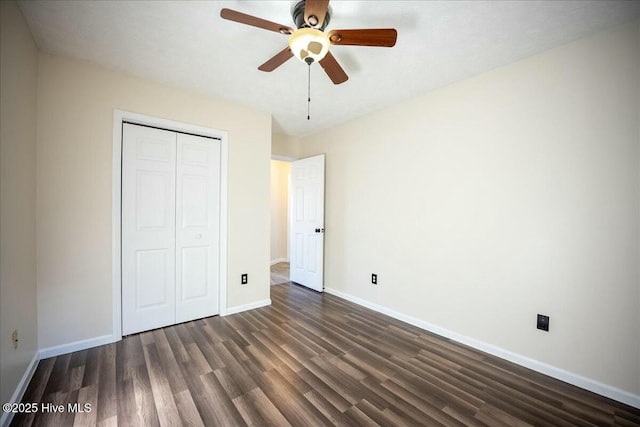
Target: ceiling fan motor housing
[297, 12]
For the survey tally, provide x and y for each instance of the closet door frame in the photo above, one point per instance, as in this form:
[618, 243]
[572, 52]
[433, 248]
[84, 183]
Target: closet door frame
[119, 117]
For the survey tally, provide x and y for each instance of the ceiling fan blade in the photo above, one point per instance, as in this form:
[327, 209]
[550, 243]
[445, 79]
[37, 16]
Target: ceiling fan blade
[243, 18]
[333, 69]
[383, 37]
[315, 11]
[279, 59]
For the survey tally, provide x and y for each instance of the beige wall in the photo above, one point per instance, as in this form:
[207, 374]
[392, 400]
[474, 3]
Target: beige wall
[74, 163]
[280, 171]
[285, 146]
[509, 194]
[18, 102]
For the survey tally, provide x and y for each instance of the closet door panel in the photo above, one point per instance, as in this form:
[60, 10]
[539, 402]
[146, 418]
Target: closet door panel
[148, 228]
[197, 227]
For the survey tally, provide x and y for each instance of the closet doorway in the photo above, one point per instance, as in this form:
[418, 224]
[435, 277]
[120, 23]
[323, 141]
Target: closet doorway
[172, 239]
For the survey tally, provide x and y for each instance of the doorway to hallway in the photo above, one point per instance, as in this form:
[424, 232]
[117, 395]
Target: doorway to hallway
[279, 273]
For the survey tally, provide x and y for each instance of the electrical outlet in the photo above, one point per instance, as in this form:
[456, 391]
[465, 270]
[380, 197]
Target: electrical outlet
[244, 279]
[543, 322]
[14, 339]
[374, 278]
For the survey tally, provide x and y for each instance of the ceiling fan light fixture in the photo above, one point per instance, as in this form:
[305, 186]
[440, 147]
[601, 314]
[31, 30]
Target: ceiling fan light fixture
[309, 44]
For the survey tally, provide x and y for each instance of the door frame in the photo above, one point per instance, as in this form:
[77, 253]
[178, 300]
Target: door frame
[120, 116]
[288, 160]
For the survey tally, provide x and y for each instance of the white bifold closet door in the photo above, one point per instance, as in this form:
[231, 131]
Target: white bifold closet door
[170, 227]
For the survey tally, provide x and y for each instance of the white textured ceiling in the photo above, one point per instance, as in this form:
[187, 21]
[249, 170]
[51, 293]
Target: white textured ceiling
[186, 44]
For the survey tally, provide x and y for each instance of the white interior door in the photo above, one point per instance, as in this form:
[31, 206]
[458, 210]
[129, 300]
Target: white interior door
[307, 223]
[197, 227]
[148, 228]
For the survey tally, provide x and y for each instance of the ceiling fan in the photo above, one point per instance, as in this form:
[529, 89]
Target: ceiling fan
[308, 42]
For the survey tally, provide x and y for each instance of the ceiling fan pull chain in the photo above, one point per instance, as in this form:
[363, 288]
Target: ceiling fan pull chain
[309, 93]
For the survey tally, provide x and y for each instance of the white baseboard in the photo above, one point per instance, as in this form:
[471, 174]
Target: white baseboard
[108, 339]
[552, 371]
[278, 261]
[6, 417]
[57, 350]
[245, 307]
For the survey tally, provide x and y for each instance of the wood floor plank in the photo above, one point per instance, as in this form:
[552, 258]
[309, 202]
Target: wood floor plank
[349, 383]
[294, 379]
[197, 361]
[324, 390]
[110, 422]
[187, 409]
[403, 407]
[145, 403]
[296, 409]
[249, 413]
[79, 358]
[177, 347]
[343, 367]
[327, 409]
[35, 391]
[530, 411]
[88, 396]
[370, 363]
[493, 416]
[107, 398]
[245, 381]
[356, 417]
[626, 421]
[378, 415]
[169, 363]
[432, 407]
[458, 391]
[75, 377]
[66, 416]
[162, 393]
[344, 390]
[228, 382]
[92, 367]
[267, 410]
[226, 413]
[59, 378]
[305, 338]
[204, 404]
[309, 359]
[281, 355]
[259, 357]
[205, 354]
[127, 411]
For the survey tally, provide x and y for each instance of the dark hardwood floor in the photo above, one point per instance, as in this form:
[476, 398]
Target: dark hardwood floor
[309, 359]
[280, 273]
